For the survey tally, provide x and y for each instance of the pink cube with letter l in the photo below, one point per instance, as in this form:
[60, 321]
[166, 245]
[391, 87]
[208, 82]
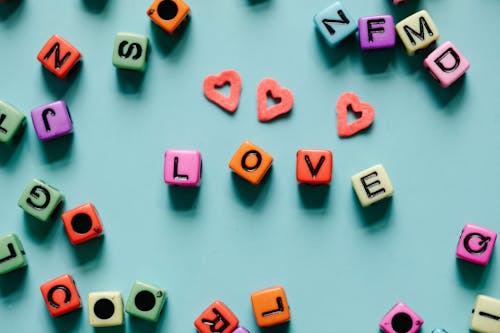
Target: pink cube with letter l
[182, 167]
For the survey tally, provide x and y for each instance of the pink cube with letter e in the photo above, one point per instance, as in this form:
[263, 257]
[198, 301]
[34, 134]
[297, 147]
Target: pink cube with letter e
[476, 244]
[182, 167]
[446, 64]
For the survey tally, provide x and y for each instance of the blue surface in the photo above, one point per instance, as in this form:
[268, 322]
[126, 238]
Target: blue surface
[342, 267]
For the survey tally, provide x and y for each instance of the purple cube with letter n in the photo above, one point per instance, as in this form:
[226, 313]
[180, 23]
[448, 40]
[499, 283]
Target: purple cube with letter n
[51, 120]
[376, 32]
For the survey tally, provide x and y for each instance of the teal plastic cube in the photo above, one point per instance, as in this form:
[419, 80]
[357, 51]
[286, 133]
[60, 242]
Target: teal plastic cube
[40, 200]
[130, 51]
[12, 121]
[335, 23]
[146, 301]
[12, 254]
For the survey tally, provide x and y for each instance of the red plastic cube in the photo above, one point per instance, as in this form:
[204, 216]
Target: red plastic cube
[314, 166]
[58, 56]
[60, 295]
[216, 318]
[82, 223]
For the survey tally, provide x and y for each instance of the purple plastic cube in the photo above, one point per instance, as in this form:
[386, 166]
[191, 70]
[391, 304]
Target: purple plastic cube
[51, 120]
[401, 319]
[376, 32]
[476, 244]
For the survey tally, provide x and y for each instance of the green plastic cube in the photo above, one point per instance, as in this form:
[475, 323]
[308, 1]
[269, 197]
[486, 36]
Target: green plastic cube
[12, 254]
[12, 121]
[40, 200]
[146, 301]
[130, 51]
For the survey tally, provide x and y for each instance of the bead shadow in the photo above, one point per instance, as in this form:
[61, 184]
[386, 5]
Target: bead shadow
[130, 82]
[7, 150]
[70, 322]
[9, 8]
[91, 250]
[166, 43]
[334, 55]
[412, 63]
[259, 2]
[38, 230]
[58, 87]
[281, 328]
[95, 6]
[138, 325]
[375, 215]
[471, 275]
[57, 149]
[443, 96]
[13, 282]
[183, 198]
[114, 329]
[248, 193]
[377, 61]
[313, 196]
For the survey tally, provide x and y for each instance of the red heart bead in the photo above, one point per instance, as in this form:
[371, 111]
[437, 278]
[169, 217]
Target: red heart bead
[213, 82]
[350, 102]
[282, 96]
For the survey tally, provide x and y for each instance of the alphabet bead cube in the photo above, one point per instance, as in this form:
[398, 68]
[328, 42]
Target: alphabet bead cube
[216, 318]
[12, 121]
[376, 32]
[105, 309]
[52, 120]
[182, 167]
[82, 223]
[270, 306]
[40, 200]
[146, 301]
[476, 244]
[314, 166]
[241, 329]
[335, 23]
[169, 14]
[446, 64]
[251, 162]
[401, 319]
[417, 32]
[60, 295]
[58, 56]
[130, 51]
[372, 185]
[12, 255]
[485, 315]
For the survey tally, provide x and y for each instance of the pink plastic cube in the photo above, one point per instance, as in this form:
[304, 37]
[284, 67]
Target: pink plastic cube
[182, 167]
[51, 120]
[476, 244]
[376, 32]
[241, 329]
[446, 64]
[401, 319]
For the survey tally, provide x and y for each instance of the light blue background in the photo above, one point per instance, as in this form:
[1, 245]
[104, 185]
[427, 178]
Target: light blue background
[342, 267]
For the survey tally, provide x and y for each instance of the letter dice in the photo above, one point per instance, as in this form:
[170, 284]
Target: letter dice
[40, 200]
[485, 315]
[52, 120]
[82, 223]
[401, 319]
[476, 244]
[12, 255]
[12, 122]
[270, 306]
[105, 308]
[216, 318]
[250, 162]
[130, 51]
[146, 301]
[372, 185]
[58, 56]
[182, 167]
[60, 295]
[376, 32]
[446, 64]
[417, 31]
[170, 15]
[335, 23]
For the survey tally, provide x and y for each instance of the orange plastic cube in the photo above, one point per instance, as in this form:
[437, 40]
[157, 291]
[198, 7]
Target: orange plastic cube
[168, 14]
[60, 295]
[82, 223]
[58, 56]
[250, 162]
[314, 166]
[270, 306]
[216, 318]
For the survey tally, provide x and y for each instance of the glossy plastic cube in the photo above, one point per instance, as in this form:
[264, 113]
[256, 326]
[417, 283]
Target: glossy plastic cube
[40, 200]
[12, 121]
[105, 308]
[216, 318]
[12, 255]
[182, 167]
[130, 51]
[146, 301]
[52, 120]
[417, 31]
[169, 15]
[82, 223]
[251, 162]
[485, 315]
[270, 306]
[476, 244]
[401, 319]
[58, 56]
[446, 64]
[376, 32]
[314, 166]
[372, 185]
[60, 295]
[335, 23]
[241, 329]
